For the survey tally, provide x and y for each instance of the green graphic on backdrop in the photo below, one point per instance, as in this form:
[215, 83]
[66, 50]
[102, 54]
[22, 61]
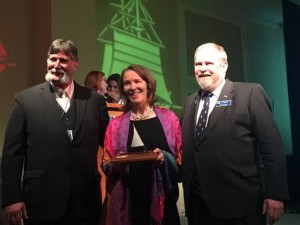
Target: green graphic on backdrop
[130, 38]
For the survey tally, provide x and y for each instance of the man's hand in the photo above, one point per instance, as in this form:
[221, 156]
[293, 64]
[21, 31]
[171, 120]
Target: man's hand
[15, 212]
[273, 209]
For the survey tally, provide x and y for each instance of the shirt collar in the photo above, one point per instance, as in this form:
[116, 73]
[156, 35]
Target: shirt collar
[69, 90]
[218, 90]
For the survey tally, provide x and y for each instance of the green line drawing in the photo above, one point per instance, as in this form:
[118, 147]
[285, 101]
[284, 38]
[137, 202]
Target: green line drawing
[130, 38]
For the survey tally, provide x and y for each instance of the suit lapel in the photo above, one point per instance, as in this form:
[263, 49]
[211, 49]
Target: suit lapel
[80, 97]
[190, 111]
[226, 96]
[48, 97]
[195, 100]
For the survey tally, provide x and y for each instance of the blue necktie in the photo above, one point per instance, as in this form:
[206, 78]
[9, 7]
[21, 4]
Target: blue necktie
[203, 116]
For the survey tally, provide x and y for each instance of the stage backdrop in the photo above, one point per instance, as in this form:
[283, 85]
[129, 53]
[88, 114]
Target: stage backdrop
[162, 35]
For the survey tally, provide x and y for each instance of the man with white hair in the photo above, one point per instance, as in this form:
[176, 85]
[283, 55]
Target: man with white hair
[233, 162]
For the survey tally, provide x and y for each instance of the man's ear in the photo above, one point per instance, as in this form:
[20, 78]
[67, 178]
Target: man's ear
[225, 65]
[76, 65]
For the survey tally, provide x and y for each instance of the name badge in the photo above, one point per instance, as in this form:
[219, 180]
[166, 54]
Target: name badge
[224, 103]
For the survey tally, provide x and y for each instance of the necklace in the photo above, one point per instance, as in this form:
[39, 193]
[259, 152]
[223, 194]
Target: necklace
[141, 117]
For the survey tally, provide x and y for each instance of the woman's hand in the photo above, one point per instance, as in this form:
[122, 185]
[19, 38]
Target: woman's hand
[160, 158]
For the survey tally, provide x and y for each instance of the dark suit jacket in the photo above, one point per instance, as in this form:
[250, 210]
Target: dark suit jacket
[227, 159]
[56, 171]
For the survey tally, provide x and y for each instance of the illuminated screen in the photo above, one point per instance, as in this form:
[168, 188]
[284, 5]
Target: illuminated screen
[130, 35]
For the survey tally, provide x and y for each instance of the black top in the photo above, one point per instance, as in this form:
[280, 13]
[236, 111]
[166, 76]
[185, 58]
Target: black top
[152, 135]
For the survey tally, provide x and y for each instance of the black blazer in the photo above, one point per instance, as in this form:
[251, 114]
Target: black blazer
[56, 170]
[239, 138]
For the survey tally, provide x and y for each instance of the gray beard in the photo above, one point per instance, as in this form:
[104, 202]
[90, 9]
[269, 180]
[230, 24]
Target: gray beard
[63, 79]
[206, 83]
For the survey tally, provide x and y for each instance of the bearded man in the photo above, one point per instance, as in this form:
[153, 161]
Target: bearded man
[49, 161]
[233, 161]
